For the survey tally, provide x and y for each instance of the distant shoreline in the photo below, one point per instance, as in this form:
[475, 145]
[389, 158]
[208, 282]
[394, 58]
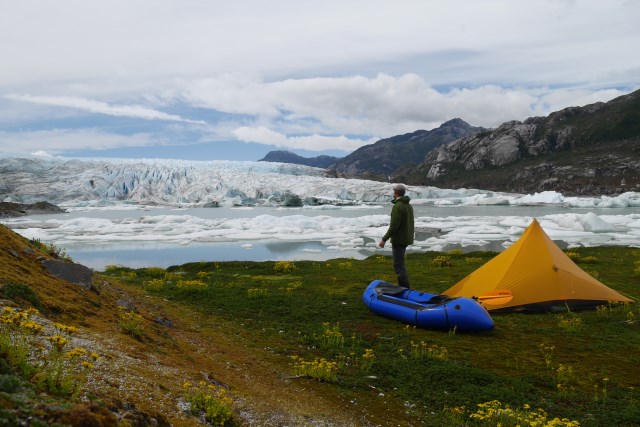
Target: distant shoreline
[13, 210]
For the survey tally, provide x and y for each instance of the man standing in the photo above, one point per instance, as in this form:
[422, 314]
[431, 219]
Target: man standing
[400, 232]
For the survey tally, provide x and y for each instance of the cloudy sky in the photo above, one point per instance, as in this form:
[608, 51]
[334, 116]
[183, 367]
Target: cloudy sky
[213, 79]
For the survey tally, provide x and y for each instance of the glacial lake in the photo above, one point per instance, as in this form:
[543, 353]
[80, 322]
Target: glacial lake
[150, 236]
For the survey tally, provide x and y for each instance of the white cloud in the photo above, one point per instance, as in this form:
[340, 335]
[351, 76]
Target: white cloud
[116, 42]
[300, 73]
[59, 140]
[92, 106]
[383, 105]
[263, 135]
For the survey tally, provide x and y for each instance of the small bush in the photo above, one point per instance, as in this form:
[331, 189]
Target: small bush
[9, 383]
[191, 285]
[318, 369]
[131, 323]
[441, 261]
[574, 256]
[494, 413]
[284, 266]
[52, 250]
[331, 336]
[19, 292]
[257, 292]
[154, 271]
[211, 401]
[592, 273]
[569, 323]
[154, 285]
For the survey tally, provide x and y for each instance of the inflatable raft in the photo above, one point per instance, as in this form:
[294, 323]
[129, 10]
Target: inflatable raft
[429, 311]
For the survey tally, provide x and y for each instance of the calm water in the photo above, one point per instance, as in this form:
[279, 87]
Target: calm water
[138, 254]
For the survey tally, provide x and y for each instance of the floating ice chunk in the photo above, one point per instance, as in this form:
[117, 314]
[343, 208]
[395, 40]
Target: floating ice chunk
[612, 202]
[486, 200]
[546, 197]
[592, 222]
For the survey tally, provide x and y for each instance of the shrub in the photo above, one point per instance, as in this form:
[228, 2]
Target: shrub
[154, 271]
[154, 285]
[130, 276]
[368, 359]
[441, 261]
[574, 256]
[42, 360]
[592, 273]
[569, 323]
[331, 336]
[494, 413]
[346, 265]
[191, 285]
[131, 323]
[19, 292]
[9, 383]
[257, 292]
[211, 401]
[318, 369]
[284, 266]
[52, 250]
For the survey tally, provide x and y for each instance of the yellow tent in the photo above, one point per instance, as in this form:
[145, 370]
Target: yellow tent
[533, 274]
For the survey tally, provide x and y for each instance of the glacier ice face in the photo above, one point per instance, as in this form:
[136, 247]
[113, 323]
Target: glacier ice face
[102, 182]
[87, 182]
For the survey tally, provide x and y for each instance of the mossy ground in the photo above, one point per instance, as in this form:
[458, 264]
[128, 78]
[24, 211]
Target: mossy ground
[242, 328]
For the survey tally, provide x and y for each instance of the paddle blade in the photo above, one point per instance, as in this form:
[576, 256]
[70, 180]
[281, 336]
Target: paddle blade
[497, 297]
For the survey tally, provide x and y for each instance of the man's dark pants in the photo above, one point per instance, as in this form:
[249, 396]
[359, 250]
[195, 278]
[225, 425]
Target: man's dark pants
[398, 265]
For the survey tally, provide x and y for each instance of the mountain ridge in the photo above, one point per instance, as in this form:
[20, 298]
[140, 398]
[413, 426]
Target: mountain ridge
[283, 156]
[593, 149]
[588, 150]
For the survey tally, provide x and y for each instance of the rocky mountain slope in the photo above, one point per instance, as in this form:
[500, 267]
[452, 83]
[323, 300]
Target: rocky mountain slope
[388, 158]
[282, 156]
[593, 149]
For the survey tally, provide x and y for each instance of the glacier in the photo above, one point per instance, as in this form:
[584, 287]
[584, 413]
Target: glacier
[74, 182]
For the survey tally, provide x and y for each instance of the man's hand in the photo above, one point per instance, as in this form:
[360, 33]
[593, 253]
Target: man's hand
[382, 243]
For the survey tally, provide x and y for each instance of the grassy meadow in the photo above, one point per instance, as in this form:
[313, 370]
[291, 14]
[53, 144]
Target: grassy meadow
[569, 368]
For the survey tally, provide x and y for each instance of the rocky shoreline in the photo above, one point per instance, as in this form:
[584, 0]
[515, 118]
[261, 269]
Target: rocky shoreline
[12, 210]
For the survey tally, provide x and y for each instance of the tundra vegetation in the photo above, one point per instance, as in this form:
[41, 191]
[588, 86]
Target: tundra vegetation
[240, 342]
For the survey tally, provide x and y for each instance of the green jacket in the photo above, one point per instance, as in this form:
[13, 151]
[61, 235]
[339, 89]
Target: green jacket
[401, 226]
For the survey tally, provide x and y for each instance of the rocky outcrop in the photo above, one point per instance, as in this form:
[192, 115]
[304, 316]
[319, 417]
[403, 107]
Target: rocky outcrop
[578, 150]
[71, 272]
[9, 209]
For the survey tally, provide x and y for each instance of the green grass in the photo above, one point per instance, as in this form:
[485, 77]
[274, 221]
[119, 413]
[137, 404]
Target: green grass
[580, 366]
